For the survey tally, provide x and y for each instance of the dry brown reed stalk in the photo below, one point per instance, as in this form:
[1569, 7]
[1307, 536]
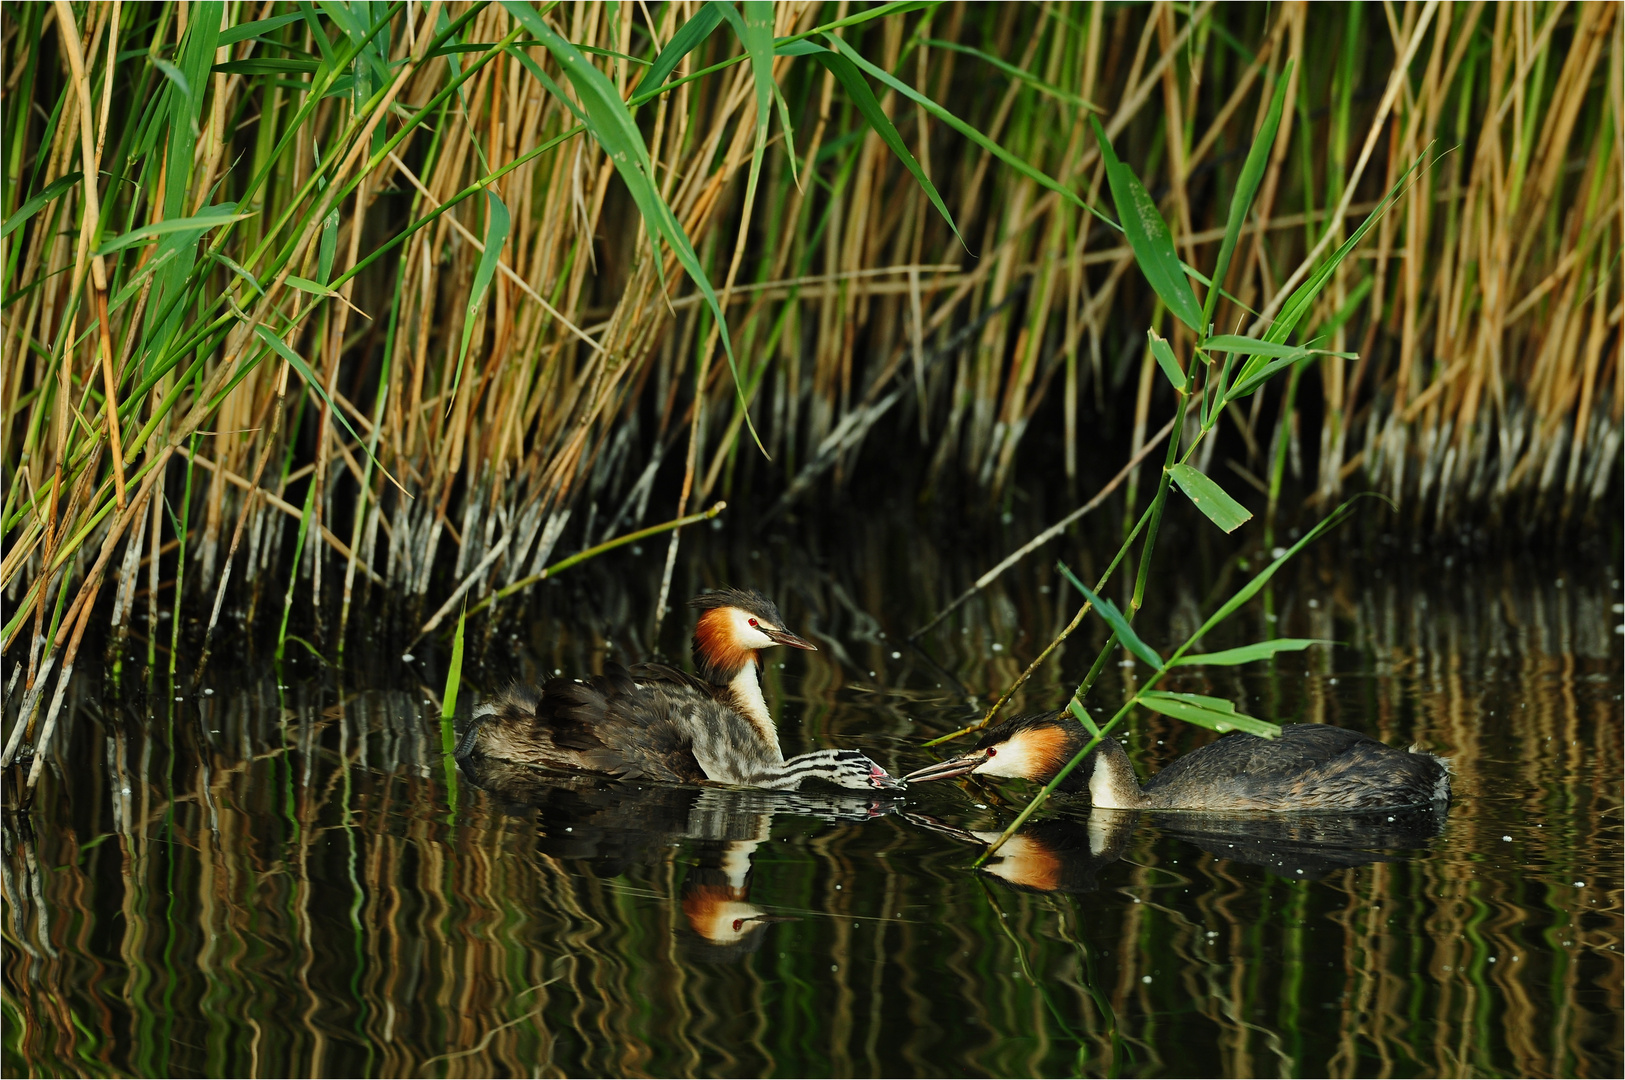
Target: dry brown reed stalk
[1486, 314]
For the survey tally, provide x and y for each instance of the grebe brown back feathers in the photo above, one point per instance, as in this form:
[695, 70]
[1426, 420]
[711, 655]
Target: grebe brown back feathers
[654, 722]
[1306, 767]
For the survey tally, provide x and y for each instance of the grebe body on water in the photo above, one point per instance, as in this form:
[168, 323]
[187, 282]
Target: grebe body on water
[654, 722]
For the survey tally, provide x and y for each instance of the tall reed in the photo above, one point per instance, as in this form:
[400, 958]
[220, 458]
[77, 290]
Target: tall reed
[403, 294]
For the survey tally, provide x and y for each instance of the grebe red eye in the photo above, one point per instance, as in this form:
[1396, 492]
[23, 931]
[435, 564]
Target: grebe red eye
[753, 622]
[992, 751]
[737, 924]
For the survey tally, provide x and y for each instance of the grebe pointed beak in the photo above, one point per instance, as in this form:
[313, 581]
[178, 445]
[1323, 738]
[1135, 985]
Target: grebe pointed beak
[784, 637]
[944, 770]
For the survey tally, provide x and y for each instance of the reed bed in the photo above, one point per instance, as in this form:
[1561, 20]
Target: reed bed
[370, 303]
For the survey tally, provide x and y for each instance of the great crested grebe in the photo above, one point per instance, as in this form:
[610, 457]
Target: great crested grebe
[654, 722]
[1306, 767]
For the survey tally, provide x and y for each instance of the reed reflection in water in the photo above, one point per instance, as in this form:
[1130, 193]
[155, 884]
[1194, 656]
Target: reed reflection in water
[282, 879]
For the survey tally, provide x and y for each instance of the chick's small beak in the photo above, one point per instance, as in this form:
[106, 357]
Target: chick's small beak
[944, 770]
[784, 637]
[884, 780]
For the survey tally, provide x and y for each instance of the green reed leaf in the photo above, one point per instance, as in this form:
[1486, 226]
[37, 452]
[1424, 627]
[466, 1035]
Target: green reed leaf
[315, 288]
[1237, 343]
[297, 362]
[1148, 236]
[1298, 304]
[237, 268]
[244, 31]
[210, 217]
[1209, 497]
[267, 65]
[1166, 360]
[1014, 72]
[182, 85]
[454, 672]
[755, 30]
[1247, 654]
[1246, 188]
[1258, 375]
[1079, 713]
[55, 190]
[497, 223]
[1214, 713]
[857, 88]
[1115, 619]
[687, 38]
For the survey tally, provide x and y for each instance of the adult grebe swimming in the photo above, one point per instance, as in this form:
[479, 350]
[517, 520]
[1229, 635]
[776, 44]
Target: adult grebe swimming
[1306, 767]
[655, 722]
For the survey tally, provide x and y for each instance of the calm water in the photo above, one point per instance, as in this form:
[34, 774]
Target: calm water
[286, 876]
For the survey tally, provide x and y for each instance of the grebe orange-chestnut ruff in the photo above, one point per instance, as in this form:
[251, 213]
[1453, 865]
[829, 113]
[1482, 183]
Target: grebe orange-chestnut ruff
[654, 722]
[1306, 767]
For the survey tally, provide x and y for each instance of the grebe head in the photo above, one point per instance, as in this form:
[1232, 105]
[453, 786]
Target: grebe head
[1034, 747]
[721, 915]
[733, 625]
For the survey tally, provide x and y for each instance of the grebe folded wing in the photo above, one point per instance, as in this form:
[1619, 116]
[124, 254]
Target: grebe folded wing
[652, 671]
[1306, 767]
[1299, 748]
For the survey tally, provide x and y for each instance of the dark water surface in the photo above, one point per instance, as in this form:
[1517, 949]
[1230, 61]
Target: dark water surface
[282, 873]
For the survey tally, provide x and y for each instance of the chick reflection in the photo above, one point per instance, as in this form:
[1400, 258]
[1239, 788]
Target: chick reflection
[1067, 854]
[615, 827]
